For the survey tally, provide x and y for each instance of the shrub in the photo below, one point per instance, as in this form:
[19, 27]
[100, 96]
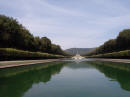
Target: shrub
[13, 54]
[121, 54]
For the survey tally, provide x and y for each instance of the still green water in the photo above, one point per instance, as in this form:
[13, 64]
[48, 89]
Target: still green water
[66, 79]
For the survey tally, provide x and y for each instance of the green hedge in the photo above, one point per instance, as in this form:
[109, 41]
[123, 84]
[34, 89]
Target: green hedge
[121, 54]
[13, 54]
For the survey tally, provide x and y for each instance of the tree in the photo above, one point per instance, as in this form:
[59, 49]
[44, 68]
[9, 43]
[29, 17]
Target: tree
[56, 49]
[123, 40]
[45, 44]
[14, 35]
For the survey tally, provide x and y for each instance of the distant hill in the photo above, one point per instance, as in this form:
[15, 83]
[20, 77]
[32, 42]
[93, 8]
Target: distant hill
[81, 51]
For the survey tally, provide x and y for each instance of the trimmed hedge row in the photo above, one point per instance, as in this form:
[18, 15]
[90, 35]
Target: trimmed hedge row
[121, 54]
[14, 54]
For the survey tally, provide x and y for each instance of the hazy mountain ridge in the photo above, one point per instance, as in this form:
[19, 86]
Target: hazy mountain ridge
[81, 51]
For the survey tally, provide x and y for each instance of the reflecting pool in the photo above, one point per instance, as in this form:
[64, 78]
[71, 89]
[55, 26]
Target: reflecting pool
[66, 79]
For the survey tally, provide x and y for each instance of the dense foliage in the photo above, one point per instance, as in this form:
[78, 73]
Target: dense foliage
[14, 54]
[14, 35]
[122, 42]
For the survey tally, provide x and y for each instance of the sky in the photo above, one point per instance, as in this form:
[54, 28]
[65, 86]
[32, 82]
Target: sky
[71, 23]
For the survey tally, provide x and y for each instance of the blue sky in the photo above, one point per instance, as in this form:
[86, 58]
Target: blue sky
[71, 23]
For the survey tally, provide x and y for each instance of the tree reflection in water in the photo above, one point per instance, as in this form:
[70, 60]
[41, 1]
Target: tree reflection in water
[14, 82]
[116, 71]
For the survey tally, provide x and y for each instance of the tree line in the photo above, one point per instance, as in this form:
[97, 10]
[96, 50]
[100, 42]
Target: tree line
[15, 35]
[122, 42]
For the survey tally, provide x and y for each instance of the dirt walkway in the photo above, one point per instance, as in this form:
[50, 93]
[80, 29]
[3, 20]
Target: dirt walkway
[7, 64]
[113, 60]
